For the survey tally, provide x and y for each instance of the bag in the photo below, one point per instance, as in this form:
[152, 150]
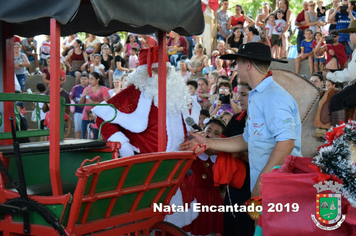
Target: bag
[76, 64]
[293, 183]
[34, 116]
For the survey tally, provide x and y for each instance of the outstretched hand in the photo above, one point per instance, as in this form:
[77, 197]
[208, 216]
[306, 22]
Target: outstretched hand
[190, 144]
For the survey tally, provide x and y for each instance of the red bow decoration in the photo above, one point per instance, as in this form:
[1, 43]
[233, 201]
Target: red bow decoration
[213, 4]
[334, 134]
[323, 177]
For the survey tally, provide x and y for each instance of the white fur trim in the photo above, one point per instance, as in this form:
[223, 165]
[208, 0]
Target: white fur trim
[181, 219]
[155, 65]
[175, 132]
[136, 121]
[118, 137]
[194, 113]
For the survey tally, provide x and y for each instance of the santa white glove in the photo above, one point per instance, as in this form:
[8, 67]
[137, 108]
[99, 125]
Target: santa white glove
[126, 148]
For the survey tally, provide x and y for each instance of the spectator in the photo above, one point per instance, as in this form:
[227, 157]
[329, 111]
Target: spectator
[114, 39]
[184, 70]
[221, 50]
[226, 116]
[311, 17]
[321, 10]
[133, 59]
[219, 67]
[270, 25]
[45, 49]
[119, 61]
[336, 4]
[225, 101]
[147, 41]
[46, 75]
[284, 6]
[278, 28]
[207, 66]
[117, 87]
[192, 87]
[176, 48]
[345, 99]
[261, 19]
[329, 84]
[123, 81]
[21, 62]
[301, 24]
[196, 64]
[343, 20]
[29, 47]
[106, 42]
[223, 16]
[204, 113]
[23, 122]
[336, 56]
[213, 79]
[67, 44]
[108, 61]
[203, 93]
[41, 88]
[64, 94]
[318, 81]
[75, 95]
[95, 93]
[234, 40]
[92, 44]
[251, 35]
[307, 51]
[77, 60]
[93, 131]
[96, 66]
[67, 118]
[130, 42]
[319, 58]
[239, 19]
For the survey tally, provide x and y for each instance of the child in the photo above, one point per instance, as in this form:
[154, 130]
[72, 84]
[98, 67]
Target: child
[276, 34]
[204, 113]
[319, 58]
[329, 84]
[41, 87]
[66, 118]
[307, 51]
[133, 59]
[75, 96]
[23, 122]
[193, 87]
[213, 79]
[96, 65]
[219, 66]
[45, 49]
[269, 28]
[93, 130]
[208, 67]
[226, 116]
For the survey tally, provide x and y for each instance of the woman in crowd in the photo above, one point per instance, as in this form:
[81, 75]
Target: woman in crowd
[92, 44]
[46, 74]
[176, 48]
[252, 35]
[95, 93]
[108, 62]
[21, 62]
[200, 186]
[184, 70]
[196, 64]
[119, 61]
[130, 42]
[77, 60]
[219, 66]
[225, 101]
[261, 19]
[234, 40]
[311, 17]
[239, 19]
[239, 223]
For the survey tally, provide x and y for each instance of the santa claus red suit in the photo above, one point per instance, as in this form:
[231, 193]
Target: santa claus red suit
[136, 123]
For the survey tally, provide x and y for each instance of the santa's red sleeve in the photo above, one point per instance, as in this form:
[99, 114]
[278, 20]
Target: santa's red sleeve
[108, 129]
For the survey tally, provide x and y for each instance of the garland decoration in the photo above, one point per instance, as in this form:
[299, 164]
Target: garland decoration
[338, 156]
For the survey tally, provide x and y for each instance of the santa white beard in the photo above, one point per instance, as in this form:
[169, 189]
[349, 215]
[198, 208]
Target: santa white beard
[177, 95]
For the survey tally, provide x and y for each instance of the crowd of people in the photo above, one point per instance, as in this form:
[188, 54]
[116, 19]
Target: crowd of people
[220, 84]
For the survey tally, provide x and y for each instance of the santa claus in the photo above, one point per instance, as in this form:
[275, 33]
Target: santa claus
[136, 123]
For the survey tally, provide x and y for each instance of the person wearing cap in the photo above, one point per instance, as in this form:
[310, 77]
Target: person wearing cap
[273, 127]
[347, 97]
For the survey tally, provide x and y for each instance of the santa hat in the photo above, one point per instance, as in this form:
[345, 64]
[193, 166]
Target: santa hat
[149, 57]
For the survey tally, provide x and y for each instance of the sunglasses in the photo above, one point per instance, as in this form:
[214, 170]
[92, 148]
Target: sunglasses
[224, 90]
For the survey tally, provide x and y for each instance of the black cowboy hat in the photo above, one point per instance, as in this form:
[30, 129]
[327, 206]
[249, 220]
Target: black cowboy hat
[351, 29]
[257, 51]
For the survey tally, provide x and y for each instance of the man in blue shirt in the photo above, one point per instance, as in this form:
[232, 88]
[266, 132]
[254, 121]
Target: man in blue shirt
[273, 127]
[343, 20]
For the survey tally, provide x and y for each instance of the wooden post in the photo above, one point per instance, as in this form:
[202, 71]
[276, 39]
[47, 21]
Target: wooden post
[162, 74]
[54, 151]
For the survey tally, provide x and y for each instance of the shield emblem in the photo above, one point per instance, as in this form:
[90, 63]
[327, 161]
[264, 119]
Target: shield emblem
[328, 208]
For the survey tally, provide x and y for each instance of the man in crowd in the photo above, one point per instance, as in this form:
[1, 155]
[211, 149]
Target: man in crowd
[301, 24]
[223, 16]
[29, 47]
[273, 127]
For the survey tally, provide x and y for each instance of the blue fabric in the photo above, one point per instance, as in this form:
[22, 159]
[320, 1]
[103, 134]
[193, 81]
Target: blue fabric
[84, 127]
[319, 60]
[118, 73]
[273, 116]
[78, 91]
[307, 45]
[343, 22]
[22, 80]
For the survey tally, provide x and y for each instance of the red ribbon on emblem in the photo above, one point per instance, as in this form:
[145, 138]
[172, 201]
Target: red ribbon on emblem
[213, 4]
